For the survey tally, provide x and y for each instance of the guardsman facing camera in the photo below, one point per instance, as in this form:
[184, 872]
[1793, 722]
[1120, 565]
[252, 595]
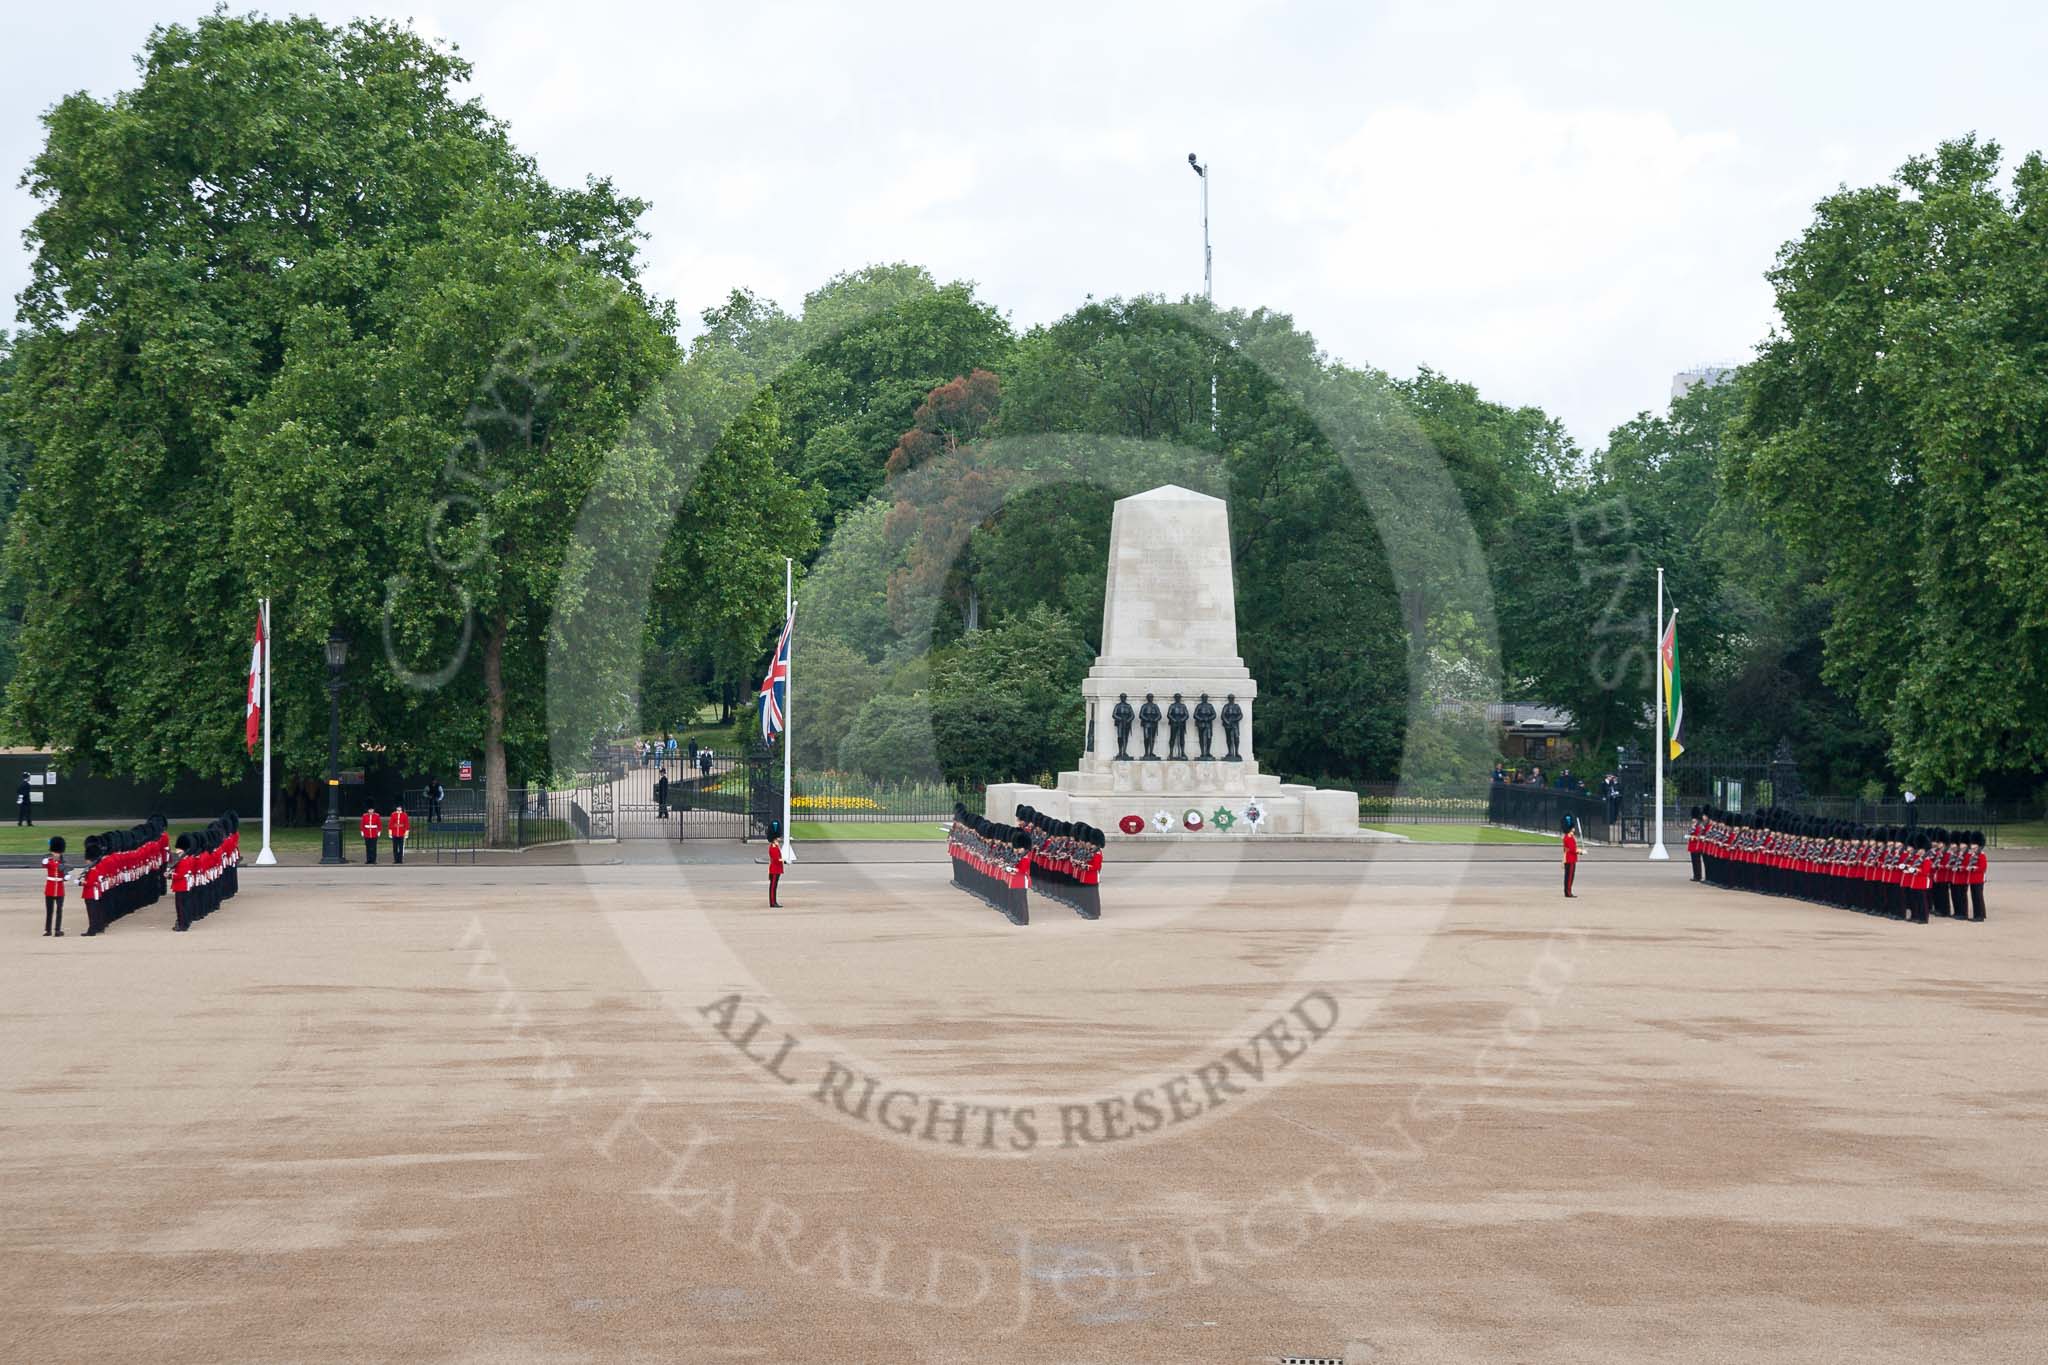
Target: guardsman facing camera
[53, 889]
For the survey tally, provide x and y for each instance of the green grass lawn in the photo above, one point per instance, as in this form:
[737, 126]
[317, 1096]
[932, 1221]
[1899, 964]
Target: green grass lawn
[1465, 834]
[802, 830]
[2033, 834]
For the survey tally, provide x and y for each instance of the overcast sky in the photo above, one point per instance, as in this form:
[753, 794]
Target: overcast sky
[1562, 210]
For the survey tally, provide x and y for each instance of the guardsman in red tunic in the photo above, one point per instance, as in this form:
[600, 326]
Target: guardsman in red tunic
[1978, 863]
[1571, 856]
[371, 828]
[181, 881]
[774, 867]
[401, 825]
[53, 889]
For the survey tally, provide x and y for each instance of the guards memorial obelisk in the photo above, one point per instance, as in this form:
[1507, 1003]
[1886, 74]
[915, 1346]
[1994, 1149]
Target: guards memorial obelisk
[1168, 706]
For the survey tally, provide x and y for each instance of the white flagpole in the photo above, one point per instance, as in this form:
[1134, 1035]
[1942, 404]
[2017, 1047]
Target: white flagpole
[1658, 853]
[788, 697]
[266, 858]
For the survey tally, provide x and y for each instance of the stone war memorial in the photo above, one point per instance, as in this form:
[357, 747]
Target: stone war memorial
[1169, 704]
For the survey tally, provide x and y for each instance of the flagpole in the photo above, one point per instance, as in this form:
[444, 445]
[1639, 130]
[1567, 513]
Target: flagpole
[264, 857]
[788, 694]
[1658, 853]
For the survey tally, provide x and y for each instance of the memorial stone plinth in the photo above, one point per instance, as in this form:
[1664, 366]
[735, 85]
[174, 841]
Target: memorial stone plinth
[1168, 706]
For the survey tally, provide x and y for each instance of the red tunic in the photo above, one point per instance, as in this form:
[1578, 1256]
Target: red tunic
[53, 875]
[371, 827]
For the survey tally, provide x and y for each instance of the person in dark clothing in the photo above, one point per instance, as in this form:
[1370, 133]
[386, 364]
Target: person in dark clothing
[21, 803]
[661, 797]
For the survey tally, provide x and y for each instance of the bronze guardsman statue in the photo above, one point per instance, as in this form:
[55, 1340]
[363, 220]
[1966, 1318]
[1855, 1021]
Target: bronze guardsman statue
[1121, 715]
[1205, 725]
[1177, 728]
[1233, 715]
[1148, 720]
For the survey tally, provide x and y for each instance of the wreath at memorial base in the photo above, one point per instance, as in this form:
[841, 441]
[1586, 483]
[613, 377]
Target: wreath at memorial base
[1191, 820]
[1161, 821]
[1132, 824]
[1223, 819]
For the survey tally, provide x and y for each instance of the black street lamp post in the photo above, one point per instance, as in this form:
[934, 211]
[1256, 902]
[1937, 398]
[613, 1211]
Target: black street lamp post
[330, 833]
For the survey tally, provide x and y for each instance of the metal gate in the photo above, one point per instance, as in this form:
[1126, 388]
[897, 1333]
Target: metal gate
[720, 796]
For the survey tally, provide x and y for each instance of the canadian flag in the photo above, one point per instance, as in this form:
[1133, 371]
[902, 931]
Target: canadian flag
[253, 726]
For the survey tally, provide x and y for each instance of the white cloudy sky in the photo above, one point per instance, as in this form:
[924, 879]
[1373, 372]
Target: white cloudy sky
[1561, 203]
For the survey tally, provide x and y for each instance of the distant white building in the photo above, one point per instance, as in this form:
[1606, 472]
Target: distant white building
[1710, 375]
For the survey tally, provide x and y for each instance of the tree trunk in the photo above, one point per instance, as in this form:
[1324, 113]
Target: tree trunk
[497, 821]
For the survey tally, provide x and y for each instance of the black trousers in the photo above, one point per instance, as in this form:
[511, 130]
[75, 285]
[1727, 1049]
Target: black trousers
[1696, 871]
[1569, 869]
[53, 914]
[369, 850]
[773, 878]
[397, 849]
[182, 900]
[21, 815]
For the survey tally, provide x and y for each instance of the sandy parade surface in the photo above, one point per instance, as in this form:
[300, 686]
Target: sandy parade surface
[1389, 1104]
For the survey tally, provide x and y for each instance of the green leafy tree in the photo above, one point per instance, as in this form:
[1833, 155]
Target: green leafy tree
[891, 739]
[17, 461]
[846, 594]
[265, 180]
[303, 323]
[1006, 702]
[835, 682]
[872, 344]
[1897, 435]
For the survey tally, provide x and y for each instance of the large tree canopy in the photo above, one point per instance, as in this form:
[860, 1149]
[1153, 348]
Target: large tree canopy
[303, 323]
[1897, 433]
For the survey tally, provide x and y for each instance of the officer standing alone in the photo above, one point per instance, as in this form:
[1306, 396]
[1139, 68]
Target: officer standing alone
[21, 804]
[53, 889]
[1571, 855]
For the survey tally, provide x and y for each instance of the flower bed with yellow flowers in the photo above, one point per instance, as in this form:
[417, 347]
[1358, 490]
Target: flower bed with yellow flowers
[832, 803]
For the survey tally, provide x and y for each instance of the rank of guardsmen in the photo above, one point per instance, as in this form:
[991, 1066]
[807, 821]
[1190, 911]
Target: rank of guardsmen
[1908, 874]
[1066, 861]
[991, 862]
[124, 871]
[128, 869]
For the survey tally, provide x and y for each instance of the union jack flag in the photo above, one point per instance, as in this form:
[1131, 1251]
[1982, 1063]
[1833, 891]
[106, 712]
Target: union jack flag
[775, 687]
